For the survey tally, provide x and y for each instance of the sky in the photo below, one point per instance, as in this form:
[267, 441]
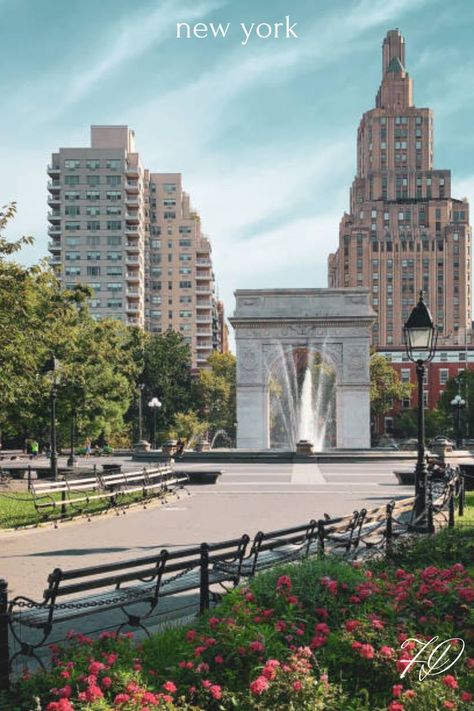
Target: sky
[264, 133]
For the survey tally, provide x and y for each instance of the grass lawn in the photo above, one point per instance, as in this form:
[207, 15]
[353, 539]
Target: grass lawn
[17, 509]
[320, 635]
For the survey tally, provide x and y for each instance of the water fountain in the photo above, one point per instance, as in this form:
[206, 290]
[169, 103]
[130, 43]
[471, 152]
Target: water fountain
[302, 402]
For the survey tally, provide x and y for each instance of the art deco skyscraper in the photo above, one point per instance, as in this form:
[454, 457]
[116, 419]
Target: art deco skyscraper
[132, 236]
[404, 231]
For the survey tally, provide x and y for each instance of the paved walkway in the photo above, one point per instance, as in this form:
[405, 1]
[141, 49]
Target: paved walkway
[247, 498]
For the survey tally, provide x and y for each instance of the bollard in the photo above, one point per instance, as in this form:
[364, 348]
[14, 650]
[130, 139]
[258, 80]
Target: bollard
[204, 584]
[4, 642]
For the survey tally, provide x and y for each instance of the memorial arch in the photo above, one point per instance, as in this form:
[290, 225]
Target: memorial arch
[272, 325]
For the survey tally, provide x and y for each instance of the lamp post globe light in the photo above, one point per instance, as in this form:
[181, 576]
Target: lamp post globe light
[420, 335]
[458, 404]
[154, 405]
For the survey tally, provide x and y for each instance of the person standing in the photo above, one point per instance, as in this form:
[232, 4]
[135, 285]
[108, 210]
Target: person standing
[88, 446]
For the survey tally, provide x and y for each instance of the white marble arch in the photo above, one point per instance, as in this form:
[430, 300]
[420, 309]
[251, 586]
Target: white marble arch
[265, 320]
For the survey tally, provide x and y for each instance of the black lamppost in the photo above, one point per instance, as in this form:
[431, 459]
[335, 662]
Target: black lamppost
[420, 336]
[72, 461]
[51, 367]
[141, 388]
[458, 404]
[154, 405]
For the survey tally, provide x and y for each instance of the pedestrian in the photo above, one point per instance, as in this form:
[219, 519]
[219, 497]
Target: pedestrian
[34, 447]
[88, 447]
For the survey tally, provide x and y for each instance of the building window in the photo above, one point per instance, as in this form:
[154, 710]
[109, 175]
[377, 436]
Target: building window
[114, 164]
[113, 180]
[93, 164]
[93, 271]
[405, 375]
[70, 164]
[443, 376]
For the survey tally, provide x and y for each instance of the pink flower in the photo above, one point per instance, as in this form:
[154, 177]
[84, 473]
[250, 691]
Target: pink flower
[215, 691]
[218, 659]
[297, 685]
[367, 651]
[65, 692]
[450, 681]
[449, 705]
[106, 682]
[169, 686]
[387, 652]
[191, 635]
[249, 597]
[466, 696]
[96, 667]
[256, 646]
[318, 641]
[61, 705]
[259, 686]
[111, 659]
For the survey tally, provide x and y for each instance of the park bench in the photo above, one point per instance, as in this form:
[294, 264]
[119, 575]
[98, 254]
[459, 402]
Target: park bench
[274, 548]
[77, 494]
[123, 585]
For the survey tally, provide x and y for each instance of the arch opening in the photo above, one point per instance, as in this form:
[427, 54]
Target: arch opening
[302, 398]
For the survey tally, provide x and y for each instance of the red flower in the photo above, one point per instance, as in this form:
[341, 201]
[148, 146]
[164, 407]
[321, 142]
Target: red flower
[96, 667]
[169, 686]
[61, 705]
[322, 612]
[318, 641]
[259, 686]
[395, 706]
[218, 659]
[256, 646]
[410, 694]
[387, 652]
[450, 681]
[397, 690]
[283, 582]
[449, 705]
[191, 635]
[106, 682]
[466, 696]
[352, 625]
[322, 628]
[297, 685]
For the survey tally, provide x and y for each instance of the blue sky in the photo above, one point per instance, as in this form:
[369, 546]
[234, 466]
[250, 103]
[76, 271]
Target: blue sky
[264, 134]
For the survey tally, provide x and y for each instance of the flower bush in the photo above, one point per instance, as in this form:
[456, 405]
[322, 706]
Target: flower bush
[322, 634]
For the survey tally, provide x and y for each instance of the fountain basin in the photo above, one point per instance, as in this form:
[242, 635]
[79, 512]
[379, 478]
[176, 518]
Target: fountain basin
[202, 476]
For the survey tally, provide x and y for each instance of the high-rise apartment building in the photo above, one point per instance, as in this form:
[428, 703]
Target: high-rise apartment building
[404, 231]
[132, 236]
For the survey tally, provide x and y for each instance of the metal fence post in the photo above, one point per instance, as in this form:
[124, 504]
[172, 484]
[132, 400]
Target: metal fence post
[204, 582]
[389, 527]
[63, 504]
[462, 496]
[29, 477]
[4, 642]
[451, 507]
[430, 517]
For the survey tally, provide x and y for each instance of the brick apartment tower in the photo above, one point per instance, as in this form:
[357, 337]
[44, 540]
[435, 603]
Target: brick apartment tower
[133, 237]
[404, 231]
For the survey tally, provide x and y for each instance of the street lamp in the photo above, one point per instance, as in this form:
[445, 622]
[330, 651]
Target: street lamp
[51, 368]
[458, 404]
[154, 405]
[141, 388]
[72, 461]
[420, 335]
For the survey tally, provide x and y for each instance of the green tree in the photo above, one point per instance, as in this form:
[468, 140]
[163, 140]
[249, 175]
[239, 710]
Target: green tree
[167, 375]
[385, 385]
[462, 384]
[187, 426]
[215, 394]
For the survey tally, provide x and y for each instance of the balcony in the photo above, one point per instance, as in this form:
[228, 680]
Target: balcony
[132, 186]
[54, 215]
[132, 259]
[54, 230]
[203, 262]
[132, 201]
[132, 306]
[132, 216]
[54, 200]
[133, 276]
[55, 260]
[54, 185]
[133, 293]
[204, 290]
[203, 307]
[133, 246]
[204, 275]
[54, 246]
[132, 171]
[133, 320]
[131, 229]
[53, 170]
